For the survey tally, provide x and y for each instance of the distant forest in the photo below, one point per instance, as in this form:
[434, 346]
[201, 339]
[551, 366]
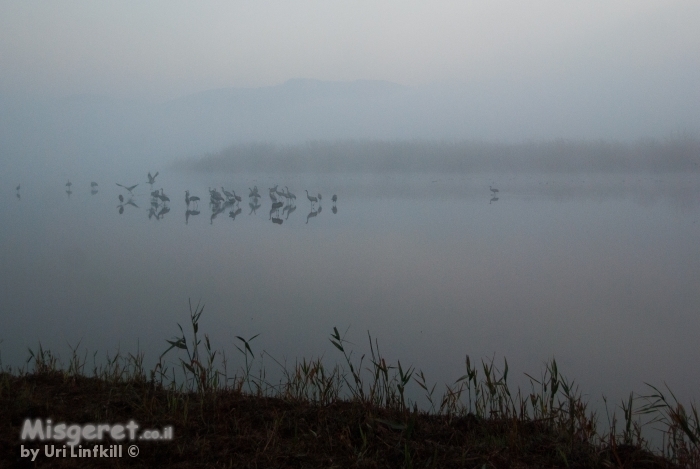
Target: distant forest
[559, 156]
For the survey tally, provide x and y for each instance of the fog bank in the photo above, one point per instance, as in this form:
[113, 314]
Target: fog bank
[559, 156]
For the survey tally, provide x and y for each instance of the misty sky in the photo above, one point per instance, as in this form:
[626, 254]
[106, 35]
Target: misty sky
[166, 49]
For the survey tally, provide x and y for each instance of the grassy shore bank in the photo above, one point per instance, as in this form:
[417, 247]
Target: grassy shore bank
[353, 415]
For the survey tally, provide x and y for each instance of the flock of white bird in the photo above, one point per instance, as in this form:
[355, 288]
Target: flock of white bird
[218, 201]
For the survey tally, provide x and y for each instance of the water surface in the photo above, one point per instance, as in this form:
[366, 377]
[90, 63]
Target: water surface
[600, 272]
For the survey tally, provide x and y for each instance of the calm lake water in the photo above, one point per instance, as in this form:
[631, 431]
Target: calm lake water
[601, 272]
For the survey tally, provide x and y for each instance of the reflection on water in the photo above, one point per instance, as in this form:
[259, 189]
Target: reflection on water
[598, 271]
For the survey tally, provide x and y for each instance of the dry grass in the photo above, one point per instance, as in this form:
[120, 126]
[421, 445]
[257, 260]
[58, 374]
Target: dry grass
[354, 415]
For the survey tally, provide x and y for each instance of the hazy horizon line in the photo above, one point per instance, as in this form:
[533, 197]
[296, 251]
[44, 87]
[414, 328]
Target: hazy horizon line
[673, 154]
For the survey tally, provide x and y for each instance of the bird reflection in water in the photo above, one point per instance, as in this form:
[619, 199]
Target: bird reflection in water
[123, 204]
[190, 213]
[289, 209]
[216, 210]
[311, 214]
[235, 213]
[275, 208]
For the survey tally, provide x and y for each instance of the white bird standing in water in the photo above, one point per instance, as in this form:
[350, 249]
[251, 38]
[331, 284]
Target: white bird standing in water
[289, 194]
[215, 196]
[311, 198]
[226, 193]
[163, 197]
